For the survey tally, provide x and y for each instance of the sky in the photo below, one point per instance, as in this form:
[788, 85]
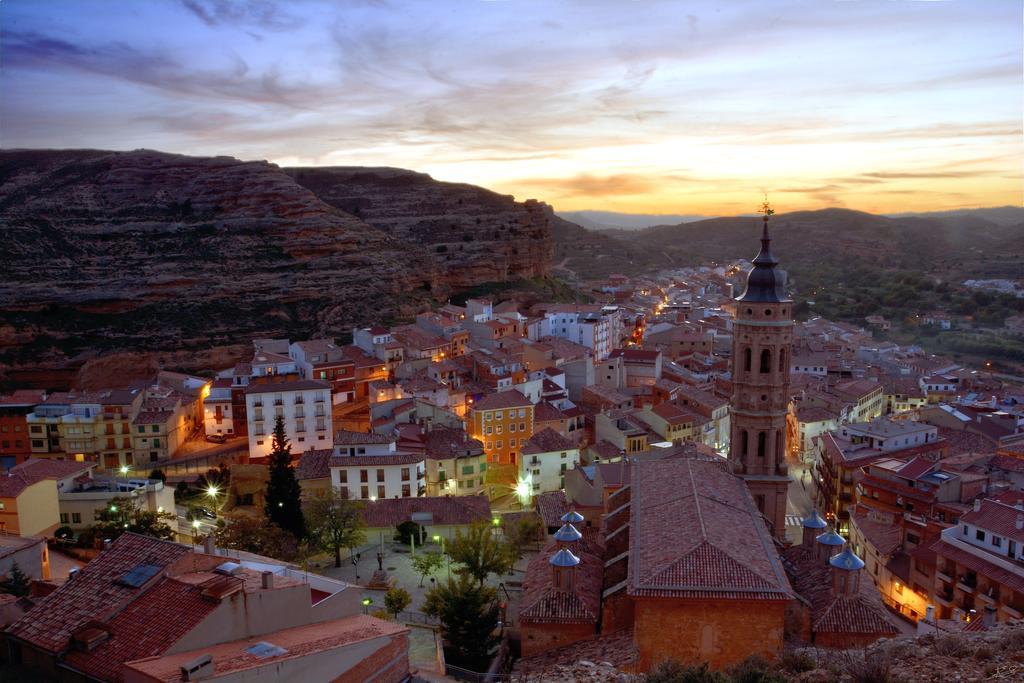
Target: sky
[678, 107]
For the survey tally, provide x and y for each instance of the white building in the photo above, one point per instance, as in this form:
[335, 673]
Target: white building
[546, 457]
[304, 404]
[888, 435]
[599, 328]
[217, 414]
[370, 467]
[79, 504]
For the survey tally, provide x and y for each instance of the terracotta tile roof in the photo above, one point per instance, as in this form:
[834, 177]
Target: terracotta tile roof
[551, 506]
[1008, 463]
[44, 468]
[13, 484]
[233, 658]
[672, 413]
[546, 441]
[147, 627]
[606, 449]
[445, 443]
[862, 612]
[703, 539]
[22, 397]
[149, 417]
[545, 412]
[390, 459]
[286, 385]
[635, 355]
[502, 399]
[454, 510]
[814, 414]
[997, 517]
[344, 437]
[884, 537]
[94, 593]
[314, 464]
[543, 603]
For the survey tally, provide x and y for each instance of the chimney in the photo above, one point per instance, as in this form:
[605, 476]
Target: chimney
[988, 617]
[929, 614]
[1019, 524]
[208, 545]
[977, 504]
[106, 544]
[268, 580]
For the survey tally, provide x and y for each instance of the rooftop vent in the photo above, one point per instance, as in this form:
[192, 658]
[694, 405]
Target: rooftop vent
[265, 650]
[228, 568]
[197, 669]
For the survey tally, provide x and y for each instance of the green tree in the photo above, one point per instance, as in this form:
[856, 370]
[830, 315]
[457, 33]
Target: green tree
[408, 530]
[283, 503]
[396, 600]
[158, 474]
[468, 613]
[426, 563]
[525, 531]
[255, 535]
[480, 552]
[336, 522]
[16, 582]
[126, 514]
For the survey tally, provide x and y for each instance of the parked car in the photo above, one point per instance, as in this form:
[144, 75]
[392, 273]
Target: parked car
[206, 512]
[217, 438]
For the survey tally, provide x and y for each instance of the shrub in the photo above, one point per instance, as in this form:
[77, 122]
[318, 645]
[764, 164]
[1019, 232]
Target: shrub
[755, 669]
[797, 662]
[671, 671]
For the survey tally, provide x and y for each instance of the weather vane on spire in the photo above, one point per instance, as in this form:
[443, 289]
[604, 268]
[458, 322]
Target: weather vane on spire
[766, 208]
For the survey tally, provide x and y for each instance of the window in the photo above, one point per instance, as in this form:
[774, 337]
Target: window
[142, 429]
[745, 441]
[487, 416]
[997, 541]
[406, 492]
[498, 428]
[381, 493]
[980, 535]
[746, 359]
[380, 475]
[76, 517]
[483, 467]
[497, 444]
[522, 412]
[762, 443]
[512, 427]
[364, 477]
[766, 361]
[522, 426]
[467, 469]
[154, 428]
[965, 529]
[343, 476]
[364, 492]
[63, 518]
[259, 443]
[498, 414]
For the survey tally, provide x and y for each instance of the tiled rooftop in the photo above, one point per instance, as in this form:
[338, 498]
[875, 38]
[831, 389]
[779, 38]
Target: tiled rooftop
[457, 510]
[696, 533]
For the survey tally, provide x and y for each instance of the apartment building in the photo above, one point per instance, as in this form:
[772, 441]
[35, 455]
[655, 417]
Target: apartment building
[503, 422]
[303, 404]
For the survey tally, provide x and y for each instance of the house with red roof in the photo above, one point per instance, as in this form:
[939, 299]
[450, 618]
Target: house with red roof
[152, 610]
[547, 457]
[979, 563]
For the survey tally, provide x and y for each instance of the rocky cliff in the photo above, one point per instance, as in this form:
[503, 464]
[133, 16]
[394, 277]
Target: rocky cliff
[473, 234]
[108, 251]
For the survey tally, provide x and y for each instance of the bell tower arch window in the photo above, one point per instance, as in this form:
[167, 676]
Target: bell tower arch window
[762, 444]
[766, 361]
[747, 354]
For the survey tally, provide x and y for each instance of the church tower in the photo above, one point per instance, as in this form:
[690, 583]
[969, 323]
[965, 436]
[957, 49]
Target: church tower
[762, 338]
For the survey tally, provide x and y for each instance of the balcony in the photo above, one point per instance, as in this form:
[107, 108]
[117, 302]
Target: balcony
[534, 460]
[944, 597]
[1014, 612]
[258, 403]
[944, 574]
[278, 402]
[319, 399]
[988, 595]
[298, 399]
[966, 588]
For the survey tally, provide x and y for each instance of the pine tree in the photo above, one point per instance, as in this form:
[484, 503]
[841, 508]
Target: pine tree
[16, 583]
[283, 504]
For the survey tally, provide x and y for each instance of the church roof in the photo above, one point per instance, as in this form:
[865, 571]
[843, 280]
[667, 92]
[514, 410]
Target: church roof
[765, 283]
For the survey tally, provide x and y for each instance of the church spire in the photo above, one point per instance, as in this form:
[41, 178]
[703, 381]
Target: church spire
[764, 282]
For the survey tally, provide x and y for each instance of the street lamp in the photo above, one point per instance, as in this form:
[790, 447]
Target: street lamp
[124, 470]
[195, 530]
[366, 605]
[440, 539]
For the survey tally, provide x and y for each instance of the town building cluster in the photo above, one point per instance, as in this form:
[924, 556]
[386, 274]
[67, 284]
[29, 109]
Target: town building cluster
[716, 479]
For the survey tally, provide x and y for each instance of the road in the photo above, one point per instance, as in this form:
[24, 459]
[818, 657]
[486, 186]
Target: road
[800, 503]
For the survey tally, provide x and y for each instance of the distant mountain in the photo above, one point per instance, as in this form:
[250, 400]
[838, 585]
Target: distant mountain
[610, 220]
[814, 242]
[1000, 215]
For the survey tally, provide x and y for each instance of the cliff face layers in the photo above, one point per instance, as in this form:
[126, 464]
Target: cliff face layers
[142, 250]
[473, 234]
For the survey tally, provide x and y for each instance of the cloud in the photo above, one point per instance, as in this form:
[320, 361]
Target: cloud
[154, 69]
[587, 185]
[259, 13]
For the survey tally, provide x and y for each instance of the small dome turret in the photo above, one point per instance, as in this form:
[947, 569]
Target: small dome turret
[564, 558]
[572, 517]
[814, 521]
[568, 534]
[847, 560]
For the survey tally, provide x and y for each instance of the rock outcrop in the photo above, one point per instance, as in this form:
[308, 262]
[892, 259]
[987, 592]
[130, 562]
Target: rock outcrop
[145, 251]
[473, 234]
